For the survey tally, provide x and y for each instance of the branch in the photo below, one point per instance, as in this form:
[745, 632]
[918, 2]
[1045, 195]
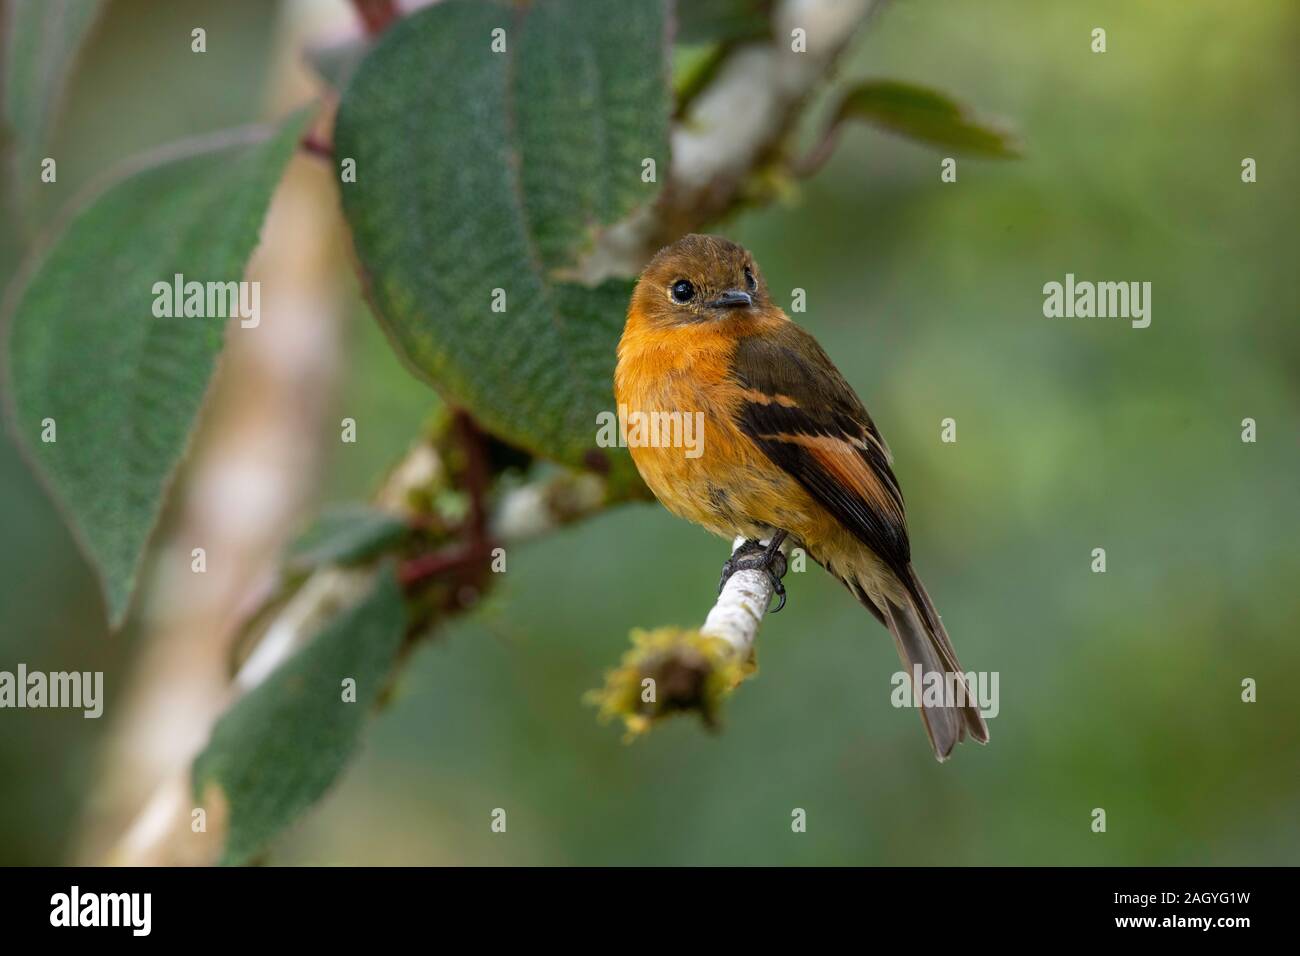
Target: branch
[376, 15]
[740, 608]
[673, 670]
[732, 131]
[161, 834]
[735, 126]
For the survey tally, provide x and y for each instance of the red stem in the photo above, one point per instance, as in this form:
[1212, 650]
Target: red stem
[476, 546]
[317, 147]
[476, 474]
[376, 15]
[425, 566]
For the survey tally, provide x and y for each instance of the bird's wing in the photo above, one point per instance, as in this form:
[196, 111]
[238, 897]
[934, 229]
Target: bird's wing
[799, 410]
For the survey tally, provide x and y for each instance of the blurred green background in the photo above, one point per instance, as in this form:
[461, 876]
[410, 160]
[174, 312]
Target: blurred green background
[1118, 690]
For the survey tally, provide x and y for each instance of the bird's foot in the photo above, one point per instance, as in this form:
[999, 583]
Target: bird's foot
[755, 556]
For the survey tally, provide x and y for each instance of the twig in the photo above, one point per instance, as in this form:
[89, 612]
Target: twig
[161, 834]
[674, 670]
[474, 444]
[474, 546]
[733, 127]
[739, 611]
[376, 15]
[315, 146]
[423, 567]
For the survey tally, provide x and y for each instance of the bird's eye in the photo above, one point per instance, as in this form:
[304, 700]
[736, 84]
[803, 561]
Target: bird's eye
[750, 281]
[682, 291]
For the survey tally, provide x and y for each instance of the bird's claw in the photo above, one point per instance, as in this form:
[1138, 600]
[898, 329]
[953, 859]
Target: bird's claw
[754, 556]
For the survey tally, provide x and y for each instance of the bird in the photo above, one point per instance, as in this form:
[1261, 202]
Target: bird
[789, 454]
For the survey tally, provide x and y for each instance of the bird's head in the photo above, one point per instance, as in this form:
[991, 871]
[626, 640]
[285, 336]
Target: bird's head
[699, 279]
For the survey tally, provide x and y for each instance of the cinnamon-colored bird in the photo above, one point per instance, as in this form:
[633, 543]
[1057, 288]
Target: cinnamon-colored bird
[788, 449]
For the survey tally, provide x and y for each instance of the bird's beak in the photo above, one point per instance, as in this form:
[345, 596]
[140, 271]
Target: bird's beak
[732, 299]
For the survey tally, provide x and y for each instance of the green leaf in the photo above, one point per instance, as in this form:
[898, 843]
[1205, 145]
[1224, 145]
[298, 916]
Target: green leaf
[346, 534]
[479, 171]
[122, 387]
[716, 21]
[281, 746]
[926, 115]
[41, 39]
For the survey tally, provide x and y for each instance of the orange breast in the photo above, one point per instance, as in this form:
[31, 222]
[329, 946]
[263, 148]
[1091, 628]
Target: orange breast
[721, 480]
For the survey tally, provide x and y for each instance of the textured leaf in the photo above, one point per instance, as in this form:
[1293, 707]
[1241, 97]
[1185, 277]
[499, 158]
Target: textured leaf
[282, 745]
[123, 387]
[346, 535]
[41, 39]
[479, 171]
[925, 115]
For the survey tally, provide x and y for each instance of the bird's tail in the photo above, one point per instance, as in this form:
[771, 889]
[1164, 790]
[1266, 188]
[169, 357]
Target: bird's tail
[921, 639]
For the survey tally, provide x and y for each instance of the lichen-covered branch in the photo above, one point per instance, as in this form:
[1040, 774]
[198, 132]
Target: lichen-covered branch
[672, 670]
[740, 608]
[161, 833]
[733, 128]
